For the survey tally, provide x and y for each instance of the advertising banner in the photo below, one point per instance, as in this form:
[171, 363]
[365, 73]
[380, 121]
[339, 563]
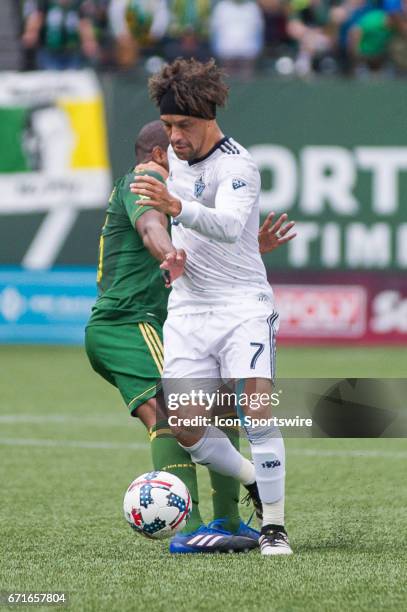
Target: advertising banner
[326, 308]
[315, 308]
[45, 307]
[53, 157]
[331, 154]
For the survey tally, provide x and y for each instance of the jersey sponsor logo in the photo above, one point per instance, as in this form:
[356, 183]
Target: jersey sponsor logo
[238, 183]
[199, 187]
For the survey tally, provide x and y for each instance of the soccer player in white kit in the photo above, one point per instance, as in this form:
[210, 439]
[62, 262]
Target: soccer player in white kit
[221, 318]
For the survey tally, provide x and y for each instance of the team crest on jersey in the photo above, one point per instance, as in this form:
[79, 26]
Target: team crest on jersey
[199, 187]
[238, 183]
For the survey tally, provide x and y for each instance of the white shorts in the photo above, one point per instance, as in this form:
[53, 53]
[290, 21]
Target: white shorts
[220, 344]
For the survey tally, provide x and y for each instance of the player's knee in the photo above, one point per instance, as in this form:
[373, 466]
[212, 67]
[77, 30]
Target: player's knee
[176, 430]
[259, 403]
[259, 433]
[186, 437]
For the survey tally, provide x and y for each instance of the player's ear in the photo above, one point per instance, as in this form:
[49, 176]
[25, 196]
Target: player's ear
[159, 156]
[155, 154]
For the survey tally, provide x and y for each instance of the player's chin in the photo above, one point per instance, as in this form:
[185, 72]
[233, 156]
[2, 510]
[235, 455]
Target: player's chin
[184, 153]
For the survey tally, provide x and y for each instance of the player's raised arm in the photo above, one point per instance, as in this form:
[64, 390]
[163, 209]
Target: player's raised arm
[237, 192]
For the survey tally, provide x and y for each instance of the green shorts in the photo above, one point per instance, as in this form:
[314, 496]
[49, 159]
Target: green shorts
[129, 356]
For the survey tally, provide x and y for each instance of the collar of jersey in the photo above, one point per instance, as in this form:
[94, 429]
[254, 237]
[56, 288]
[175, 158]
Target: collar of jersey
[209, 153]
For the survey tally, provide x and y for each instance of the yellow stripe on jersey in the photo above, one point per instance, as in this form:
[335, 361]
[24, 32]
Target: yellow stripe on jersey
[154, 353]
[100, 266]
[153, 339]
[157, 338]
[101, 249]
[112, 194]
[141, 395]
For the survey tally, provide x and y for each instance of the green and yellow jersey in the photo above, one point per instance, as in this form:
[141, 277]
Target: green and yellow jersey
[130, 285]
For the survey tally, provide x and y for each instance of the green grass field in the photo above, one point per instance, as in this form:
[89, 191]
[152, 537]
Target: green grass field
[69, 450]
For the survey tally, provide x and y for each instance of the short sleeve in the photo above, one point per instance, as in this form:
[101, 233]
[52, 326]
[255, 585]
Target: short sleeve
[131, 201]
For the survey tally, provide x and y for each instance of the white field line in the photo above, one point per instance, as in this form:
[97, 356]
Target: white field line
[104, 445]
[10, 419]
[348, 453]
[88, 444]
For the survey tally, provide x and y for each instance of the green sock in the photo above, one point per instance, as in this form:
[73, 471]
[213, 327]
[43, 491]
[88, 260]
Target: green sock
[225, 490]
[169, 456]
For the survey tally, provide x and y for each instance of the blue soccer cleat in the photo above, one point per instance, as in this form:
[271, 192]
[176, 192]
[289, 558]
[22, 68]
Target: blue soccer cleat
[211, 540]
[243, 530]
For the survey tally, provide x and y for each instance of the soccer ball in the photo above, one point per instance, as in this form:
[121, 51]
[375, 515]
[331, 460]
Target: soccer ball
[157, 504]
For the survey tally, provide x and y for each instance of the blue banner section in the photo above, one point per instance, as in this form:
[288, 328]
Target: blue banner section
[45, 306]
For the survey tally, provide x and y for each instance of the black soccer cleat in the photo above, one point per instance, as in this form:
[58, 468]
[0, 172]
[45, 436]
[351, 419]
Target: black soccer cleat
[274, 541]
[208, 540]
[254, 497]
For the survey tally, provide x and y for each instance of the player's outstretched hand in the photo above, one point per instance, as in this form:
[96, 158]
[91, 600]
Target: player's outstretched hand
[157, 194]
[173, 266]
[152, 166]
[273, 235]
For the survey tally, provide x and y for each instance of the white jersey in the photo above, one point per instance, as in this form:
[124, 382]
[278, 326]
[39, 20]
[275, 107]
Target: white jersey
[218, 229]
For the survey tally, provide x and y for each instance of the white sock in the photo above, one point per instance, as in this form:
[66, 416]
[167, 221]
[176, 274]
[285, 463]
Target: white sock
[273, 514]
[216, 451]
[268, 453]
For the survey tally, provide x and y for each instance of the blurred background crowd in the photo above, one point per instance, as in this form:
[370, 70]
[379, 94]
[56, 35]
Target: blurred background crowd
[286, 37]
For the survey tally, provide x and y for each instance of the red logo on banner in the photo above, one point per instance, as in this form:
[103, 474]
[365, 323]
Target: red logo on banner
[321, 311]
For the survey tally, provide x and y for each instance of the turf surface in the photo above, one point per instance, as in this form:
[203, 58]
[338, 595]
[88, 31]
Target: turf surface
[68, 451]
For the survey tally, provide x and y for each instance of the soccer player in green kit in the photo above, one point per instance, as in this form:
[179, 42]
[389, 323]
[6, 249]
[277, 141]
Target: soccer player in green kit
[124, 336]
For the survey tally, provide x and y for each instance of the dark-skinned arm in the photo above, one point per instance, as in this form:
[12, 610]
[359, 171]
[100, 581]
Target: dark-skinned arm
[152, 228]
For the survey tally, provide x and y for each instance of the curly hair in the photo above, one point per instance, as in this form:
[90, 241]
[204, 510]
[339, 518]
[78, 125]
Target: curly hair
[196, 86]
